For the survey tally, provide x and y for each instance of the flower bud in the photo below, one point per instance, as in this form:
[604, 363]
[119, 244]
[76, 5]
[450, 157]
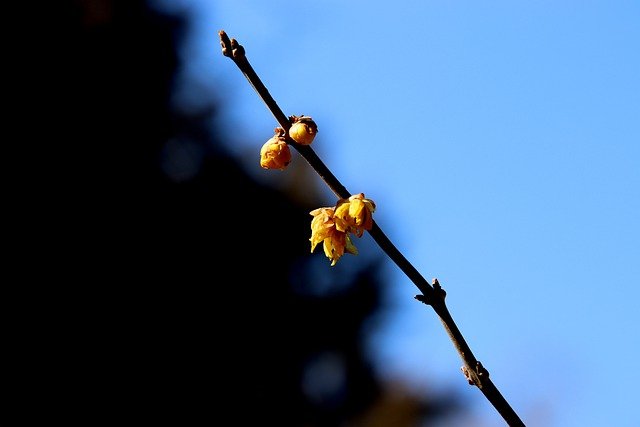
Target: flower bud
[303, 129]
[275, 153]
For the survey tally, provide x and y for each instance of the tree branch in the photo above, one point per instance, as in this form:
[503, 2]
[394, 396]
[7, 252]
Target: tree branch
[432, 295]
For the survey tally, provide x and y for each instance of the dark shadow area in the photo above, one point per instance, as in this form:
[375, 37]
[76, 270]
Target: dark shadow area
[202, 302]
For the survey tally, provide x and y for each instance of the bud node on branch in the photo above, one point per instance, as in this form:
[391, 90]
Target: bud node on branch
[477, 375]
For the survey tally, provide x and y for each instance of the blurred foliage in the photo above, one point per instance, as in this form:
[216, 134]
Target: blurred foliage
[204, 303]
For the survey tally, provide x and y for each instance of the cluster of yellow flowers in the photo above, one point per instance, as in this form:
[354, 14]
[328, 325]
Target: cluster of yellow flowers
[330, 225]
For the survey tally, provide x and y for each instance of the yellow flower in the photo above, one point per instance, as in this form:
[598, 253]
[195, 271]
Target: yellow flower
[275, 153]
[334, 241]
[321, 225]
[332, 225]
[354, 214]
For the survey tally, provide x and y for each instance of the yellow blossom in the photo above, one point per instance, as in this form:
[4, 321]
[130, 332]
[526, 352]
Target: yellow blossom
[275, 153]
[332, 225]
[354, 214]
[321, 225]
[334, 242]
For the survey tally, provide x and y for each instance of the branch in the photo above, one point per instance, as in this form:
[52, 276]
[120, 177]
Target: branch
[432, 295]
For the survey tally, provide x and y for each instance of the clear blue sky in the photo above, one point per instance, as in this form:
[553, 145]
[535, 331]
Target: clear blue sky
[501, 143]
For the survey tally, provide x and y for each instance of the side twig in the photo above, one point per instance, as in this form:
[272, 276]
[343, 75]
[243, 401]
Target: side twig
[431, 294]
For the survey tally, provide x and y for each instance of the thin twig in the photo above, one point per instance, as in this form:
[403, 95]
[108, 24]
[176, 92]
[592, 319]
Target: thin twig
[432, 295]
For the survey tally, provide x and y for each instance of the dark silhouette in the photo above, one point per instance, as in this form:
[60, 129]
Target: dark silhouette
[202, 301]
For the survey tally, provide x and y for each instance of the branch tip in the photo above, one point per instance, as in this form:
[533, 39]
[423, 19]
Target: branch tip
[230, 47]
[225, 43]
[236, 49]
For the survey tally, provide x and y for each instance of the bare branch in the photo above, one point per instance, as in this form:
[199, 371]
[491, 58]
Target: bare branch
[432, 295]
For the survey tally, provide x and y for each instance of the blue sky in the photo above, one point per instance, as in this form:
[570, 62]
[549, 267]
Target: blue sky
[501, 143]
